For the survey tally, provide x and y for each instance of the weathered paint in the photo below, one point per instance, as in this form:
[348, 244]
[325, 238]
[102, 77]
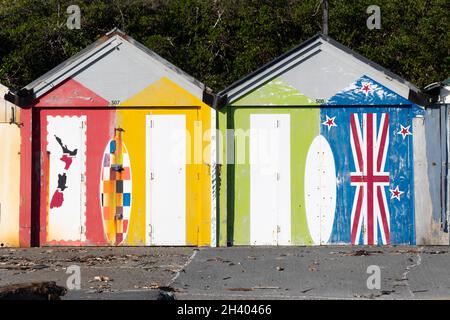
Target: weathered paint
[10, 175]
[395, 165]
[365, 121]
[112, 91]
[431, 145]
[368, 91]
[430, 156]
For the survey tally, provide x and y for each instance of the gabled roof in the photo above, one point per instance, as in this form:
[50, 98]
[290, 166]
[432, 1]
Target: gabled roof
[309, 49]
[94, 52]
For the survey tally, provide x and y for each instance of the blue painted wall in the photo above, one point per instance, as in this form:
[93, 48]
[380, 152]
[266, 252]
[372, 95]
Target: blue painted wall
[366, 96]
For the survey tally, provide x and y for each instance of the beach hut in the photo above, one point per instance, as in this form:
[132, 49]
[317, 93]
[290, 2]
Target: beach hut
[316, 147]
[116, 151]
[431, 166]
[9, 172]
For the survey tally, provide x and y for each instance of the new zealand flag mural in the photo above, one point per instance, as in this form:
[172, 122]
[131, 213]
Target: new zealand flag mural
[368, 91]
[372, 148]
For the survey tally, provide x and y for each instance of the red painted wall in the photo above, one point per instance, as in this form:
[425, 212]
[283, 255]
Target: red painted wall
[25, 179]
[68, 99]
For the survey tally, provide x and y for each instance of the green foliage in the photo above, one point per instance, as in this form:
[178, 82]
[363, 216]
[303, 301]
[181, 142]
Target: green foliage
[220, 41]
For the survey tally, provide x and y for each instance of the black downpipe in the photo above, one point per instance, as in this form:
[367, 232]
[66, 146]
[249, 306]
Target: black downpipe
[35, 178]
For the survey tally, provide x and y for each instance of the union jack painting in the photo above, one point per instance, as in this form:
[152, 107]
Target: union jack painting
[370, 211]
[369, 129]
[373, 156]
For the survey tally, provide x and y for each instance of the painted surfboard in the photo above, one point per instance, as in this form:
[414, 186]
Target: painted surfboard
[320, 190]
[115, 190]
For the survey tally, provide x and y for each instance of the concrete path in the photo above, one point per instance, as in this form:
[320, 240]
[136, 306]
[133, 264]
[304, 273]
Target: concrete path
[105, 273]
[315, 273]
[236, 272]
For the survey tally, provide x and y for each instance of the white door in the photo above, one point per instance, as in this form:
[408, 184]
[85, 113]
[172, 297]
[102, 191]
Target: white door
[66, 147]
[270, 191]
[166, 179]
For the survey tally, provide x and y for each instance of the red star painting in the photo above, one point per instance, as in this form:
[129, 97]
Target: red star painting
[366, 88]
[396, 193]
[404, 131]
[330, 122]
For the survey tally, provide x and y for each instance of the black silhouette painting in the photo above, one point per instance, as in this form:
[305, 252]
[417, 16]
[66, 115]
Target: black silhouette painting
[67, 157]
[58, 196]
[62, 180]
[65, 149]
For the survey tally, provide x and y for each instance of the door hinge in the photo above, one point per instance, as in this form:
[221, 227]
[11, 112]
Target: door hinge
[83, 178]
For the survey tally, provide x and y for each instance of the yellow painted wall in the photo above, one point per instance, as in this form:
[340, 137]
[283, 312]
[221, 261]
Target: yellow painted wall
[9, 179]
[165, 97]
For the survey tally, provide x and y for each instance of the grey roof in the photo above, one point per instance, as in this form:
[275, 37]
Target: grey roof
[266, 70]
[85, 53]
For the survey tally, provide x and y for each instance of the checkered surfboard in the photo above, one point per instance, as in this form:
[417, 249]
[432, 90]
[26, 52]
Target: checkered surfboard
[115, 191]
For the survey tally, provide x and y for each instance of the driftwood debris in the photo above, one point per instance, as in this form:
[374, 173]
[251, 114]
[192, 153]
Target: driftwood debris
[32, 291]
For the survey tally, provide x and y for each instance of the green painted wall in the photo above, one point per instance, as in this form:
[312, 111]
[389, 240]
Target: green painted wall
[275, 97]
[277, 93]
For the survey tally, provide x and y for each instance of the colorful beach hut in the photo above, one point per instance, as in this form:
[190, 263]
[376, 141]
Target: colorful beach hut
[116, 151]
[9, 171]
[316, 148]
